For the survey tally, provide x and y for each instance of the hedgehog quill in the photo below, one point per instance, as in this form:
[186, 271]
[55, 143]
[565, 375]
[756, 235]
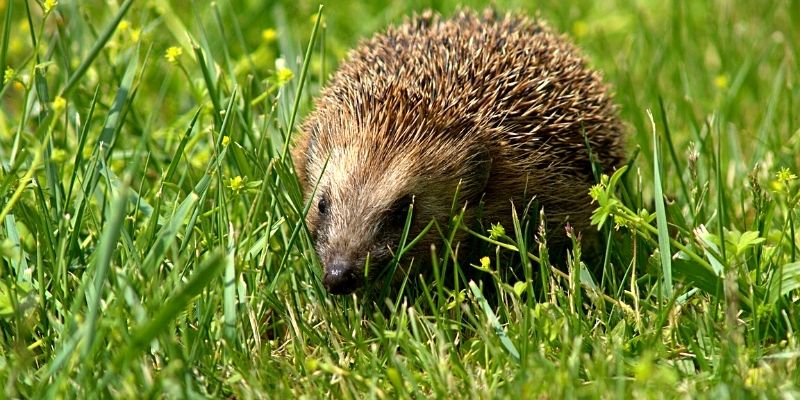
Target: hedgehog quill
[491, 108]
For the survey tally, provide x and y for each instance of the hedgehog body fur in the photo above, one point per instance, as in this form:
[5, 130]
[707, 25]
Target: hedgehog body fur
[494, 108]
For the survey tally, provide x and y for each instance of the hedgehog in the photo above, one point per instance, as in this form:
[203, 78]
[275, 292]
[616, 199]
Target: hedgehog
[490, 111]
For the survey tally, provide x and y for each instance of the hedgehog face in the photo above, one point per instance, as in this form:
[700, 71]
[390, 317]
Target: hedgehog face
[361, 203]
[358, 213]
[367, 183]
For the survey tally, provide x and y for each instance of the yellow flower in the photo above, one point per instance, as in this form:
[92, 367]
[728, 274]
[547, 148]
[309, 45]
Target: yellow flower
[315, 17]
[721, 81]
[124, 25]
[236, 183]
[49, 5]
[59, 155]
[580, 29]
[173, 53]
[497, 231]
[284, 75]
[23, 26]
[15, 45]
[59, 103]
[9, 75]
[226, 140]
[486, 262]
[269, 35]
[785, 175]
[596, 191]
[619, 222]
[135, 34]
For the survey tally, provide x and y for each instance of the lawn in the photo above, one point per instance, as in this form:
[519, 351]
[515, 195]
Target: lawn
[152, 243]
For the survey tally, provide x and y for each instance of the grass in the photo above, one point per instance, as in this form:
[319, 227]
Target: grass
[151, 244]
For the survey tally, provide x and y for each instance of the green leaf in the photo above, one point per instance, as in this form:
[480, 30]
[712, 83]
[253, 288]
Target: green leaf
[741, 242]
[785, 279]
[520, 287]
[710, 241]
[688, 271]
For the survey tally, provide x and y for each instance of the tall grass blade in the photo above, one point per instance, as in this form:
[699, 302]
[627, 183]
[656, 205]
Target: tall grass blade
[661, 217]
[143, 334]
[96, 48]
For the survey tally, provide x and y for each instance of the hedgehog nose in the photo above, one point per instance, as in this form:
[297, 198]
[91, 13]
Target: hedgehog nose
[341, 277]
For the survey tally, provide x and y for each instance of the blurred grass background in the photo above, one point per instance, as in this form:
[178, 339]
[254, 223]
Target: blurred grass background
[151, 244]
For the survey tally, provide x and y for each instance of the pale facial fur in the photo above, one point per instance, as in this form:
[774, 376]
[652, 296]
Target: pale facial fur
[361, 205]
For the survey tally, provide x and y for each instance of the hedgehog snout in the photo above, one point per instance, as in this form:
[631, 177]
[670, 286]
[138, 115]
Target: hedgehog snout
[341, 276]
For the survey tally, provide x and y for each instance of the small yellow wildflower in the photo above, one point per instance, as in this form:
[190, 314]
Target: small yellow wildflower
[284, 75]
[9, 75]
[315, 17]
[721, 81]
[173, 53]
[59, 103]
[15, 46]
[22, 26]
[619, 222]
[226, 140]
[236, 183]
[312, 364]
[124, 25]
[785, 175]
[497, 231]
[486, 262]
[136, 34]
[595, 191]
[59, 155]
[49, 5]
[269, 35]
[580, 29]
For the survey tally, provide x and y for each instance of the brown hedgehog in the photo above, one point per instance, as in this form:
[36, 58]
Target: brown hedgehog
[492, 109]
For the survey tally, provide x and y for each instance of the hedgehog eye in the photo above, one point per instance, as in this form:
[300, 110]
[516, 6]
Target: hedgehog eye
[396, 217]
[322, 206]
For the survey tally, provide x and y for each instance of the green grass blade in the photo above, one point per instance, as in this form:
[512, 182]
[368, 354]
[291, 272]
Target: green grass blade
[168, 234]
[18, 258]
[674, 155]
[722, 214]
[96, 49]
[498, 328]
[301, 83]
[209, 81]
[661, 217]
[82, 139]
[229, 292]
[147, 332]
[6, 39]
[176, 157]
[105, 251]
